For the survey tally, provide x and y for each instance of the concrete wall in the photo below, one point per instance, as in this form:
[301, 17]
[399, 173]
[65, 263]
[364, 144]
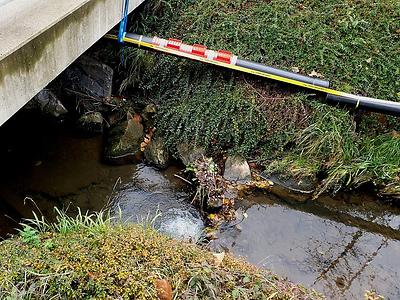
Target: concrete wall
[32, 55]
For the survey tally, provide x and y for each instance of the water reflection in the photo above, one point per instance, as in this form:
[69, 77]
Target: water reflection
[334, 257]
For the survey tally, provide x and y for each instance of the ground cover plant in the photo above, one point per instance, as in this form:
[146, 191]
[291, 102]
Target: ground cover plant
[92, 256]
[354, 44]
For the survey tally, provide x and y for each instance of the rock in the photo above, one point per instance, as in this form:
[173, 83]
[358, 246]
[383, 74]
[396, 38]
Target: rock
[148, 115]
[123, 141]
[189, 154]
[237, 169]
[91, 123]
[88, 77]
[48, 103]
[288, 188]
[157, 154]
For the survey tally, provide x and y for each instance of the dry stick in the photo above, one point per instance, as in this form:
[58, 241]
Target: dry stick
[184, 179]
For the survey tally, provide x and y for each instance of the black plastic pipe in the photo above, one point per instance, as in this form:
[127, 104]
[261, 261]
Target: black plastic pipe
[333, 96]
[286, 74]
[371, 104]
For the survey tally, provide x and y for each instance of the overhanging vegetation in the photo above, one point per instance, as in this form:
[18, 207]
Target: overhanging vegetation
[352, 44]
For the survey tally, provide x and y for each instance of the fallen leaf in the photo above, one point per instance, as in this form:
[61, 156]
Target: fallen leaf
[164, 289]
[218, 258]
[395, 134]
[137, 118]
[372, 295]
[316, 74]
[295, 70]
[369, 60]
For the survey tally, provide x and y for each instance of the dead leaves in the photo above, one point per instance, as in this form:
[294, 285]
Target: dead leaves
[164, 289]
[372, 295]
[312, 74]
[295, 70]
[218, 258]
[147, 139]
[316, 74]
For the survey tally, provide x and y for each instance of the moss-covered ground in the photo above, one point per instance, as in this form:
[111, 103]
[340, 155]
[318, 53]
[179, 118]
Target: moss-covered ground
[88, 257]
[354, 44]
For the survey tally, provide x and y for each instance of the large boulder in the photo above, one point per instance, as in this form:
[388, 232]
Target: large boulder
[87, 77]
[47, 103]
[123, 141]
[156, 153]
[237, 169]
[189, 154]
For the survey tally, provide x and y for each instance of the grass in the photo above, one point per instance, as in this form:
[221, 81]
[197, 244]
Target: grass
[331, 144]
[92, 257]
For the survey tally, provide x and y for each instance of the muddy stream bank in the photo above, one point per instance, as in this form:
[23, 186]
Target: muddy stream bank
[340, 246]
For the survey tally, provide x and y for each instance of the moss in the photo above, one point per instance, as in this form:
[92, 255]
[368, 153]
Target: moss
[121, 261]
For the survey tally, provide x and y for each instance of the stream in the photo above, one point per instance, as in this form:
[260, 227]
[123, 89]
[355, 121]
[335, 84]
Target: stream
[341, 247]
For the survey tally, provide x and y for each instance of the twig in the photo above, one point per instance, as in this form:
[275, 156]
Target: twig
[184, 179]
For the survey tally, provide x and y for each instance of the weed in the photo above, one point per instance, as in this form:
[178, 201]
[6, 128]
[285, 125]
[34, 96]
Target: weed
[29, 235]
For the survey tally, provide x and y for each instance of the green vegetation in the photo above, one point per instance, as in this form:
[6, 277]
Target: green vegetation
[200, 118]
[92, 256]
[354, 44]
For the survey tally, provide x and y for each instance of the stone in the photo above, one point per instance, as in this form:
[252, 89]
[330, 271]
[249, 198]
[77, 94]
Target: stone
[237, 169]
[156, 153]
[123, 140]
[88, 77]
[148, 115]
[215, 203]
[47, 103]
[189, 154]
[289, 188]
[91, 123]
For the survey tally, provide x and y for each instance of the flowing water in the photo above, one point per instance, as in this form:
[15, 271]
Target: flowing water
[340, 246]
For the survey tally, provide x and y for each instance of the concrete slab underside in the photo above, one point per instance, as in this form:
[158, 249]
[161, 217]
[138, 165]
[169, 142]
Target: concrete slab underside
[39, 39]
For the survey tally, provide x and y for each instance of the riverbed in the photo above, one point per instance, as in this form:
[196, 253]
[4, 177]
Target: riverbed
[340, 246]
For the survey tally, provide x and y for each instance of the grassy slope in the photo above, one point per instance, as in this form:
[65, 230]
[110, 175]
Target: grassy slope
[354, 44]
[96, 260]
